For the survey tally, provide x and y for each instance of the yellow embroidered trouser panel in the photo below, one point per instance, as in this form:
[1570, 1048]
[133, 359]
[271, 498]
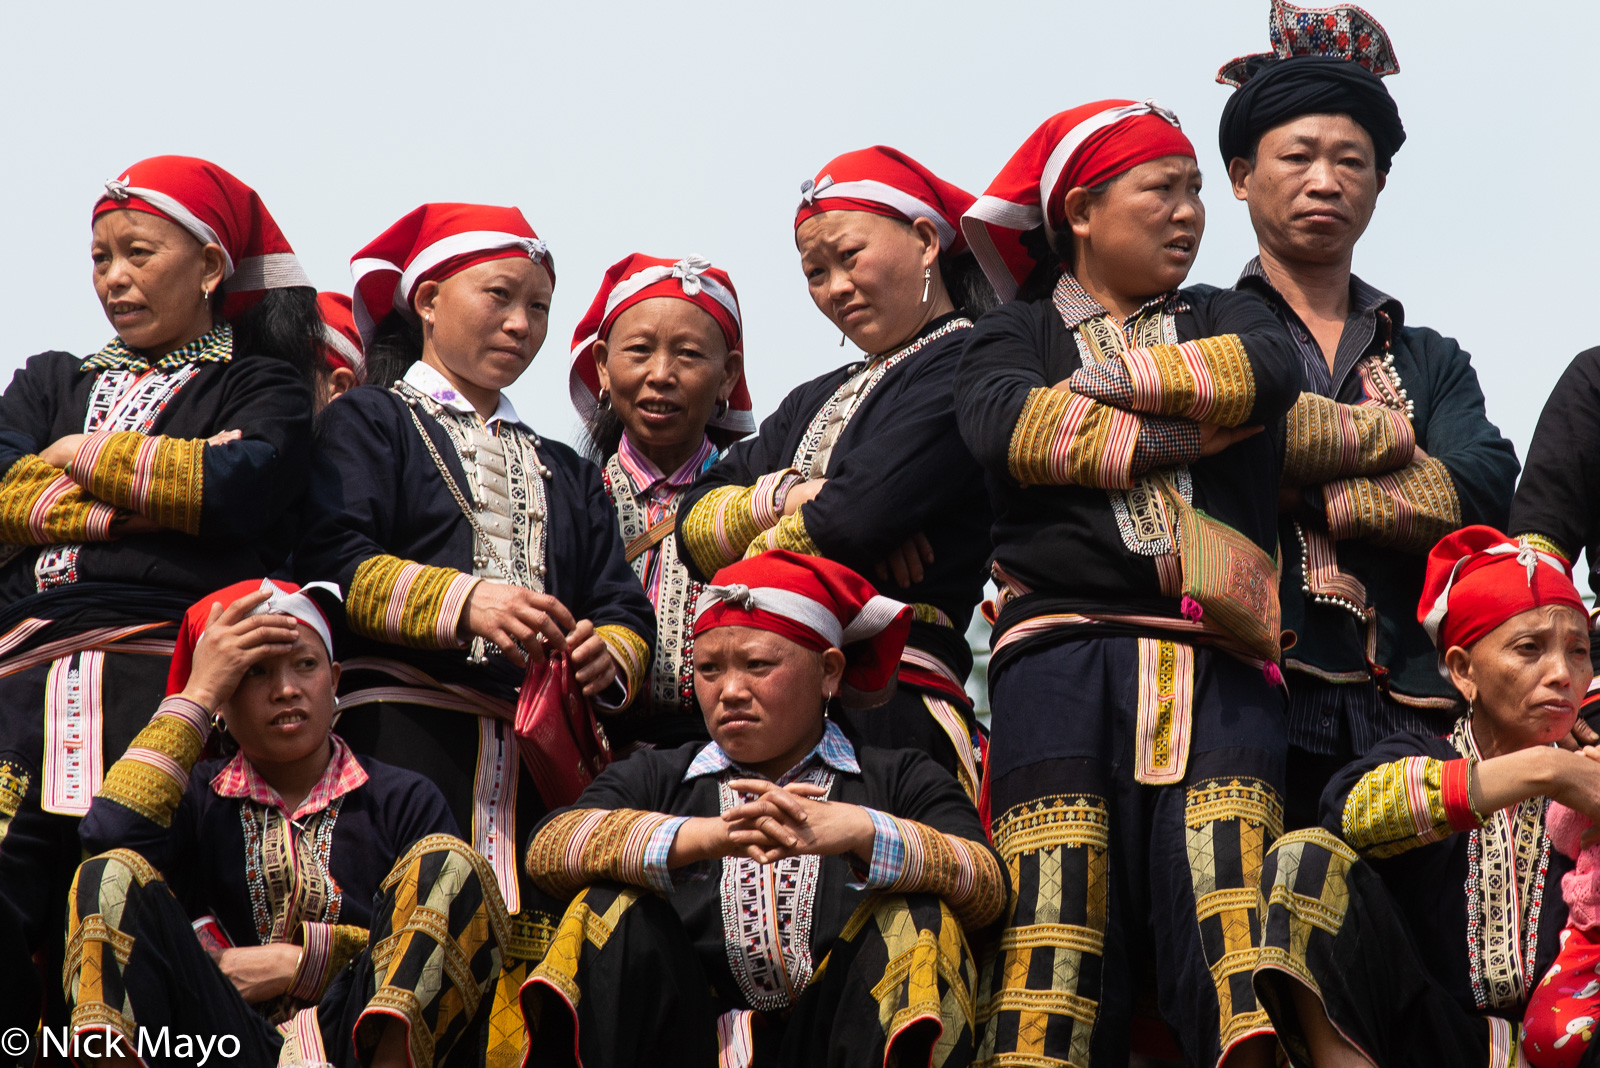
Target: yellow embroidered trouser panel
[1059, 846]
[1229, 823]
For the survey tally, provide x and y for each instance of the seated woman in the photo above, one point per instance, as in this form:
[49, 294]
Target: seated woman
[776, 892]
[864, 465]
[657, 375]
[466, 543]
[1412, 927]
[331, 887]
[133, 480]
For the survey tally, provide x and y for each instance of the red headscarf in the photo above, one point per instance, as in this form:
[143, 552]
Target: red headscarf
[216, 208]
[287, 599]
[430, 244]
[816, 603]
[1477, 578]
[885, 181]
[637, 278]
[1082, 147]
[341, 341]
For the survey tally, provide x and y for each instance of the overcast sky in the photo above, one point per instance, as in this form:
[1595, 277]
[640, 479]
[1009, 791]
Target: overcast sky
[670, 128]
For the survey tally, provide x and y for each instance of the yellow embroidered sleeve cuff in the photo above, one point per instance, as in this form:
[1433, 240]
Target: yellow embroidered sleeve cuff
[1328, 440]
[1209, 380]
[790, 533]
[1407, 803]
[152, 775]
[1411, 508]
[1546, 544]
[632, 655]
[723, 523]
[325, 950]
[398, 601]
[158, 477]
[590, 845]
[965, 874]
[40, 505]
[1065, 438]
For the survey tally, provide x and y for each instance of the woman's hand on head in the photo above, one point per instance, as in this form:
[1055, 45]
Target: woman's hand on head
[261, 973]
[515, 619]
[592, 662]
[795, 820]
[233, 642]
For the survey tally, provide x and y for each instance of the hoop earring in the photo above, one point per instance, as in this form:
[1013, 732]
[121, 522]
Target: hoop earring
[927, 283]
[219, 724]
[205, 294]
[722, 407]
[604, 399]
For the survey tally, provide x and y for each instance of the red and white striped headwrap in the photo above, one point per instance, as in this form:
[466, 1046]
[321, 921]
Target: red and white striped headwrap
[639, 278]
[216, 209]
[430, 244]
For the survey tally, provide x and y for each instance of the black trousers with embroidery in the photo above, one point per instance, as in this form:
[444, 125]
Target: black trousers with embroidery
[623, 986]
[135, 966]
[1115, 879]
[442, 744]
[39, 850]
[1366, 970]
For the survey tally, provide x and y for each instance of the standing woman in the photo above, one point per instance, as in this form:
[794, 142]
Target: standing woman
[865, 465]
[467, 543]
[1138, 745]
[167, 464]
[657, 375]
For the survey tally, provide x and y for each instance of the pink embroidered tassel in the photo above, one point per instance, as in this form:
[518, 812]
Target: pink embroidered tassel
[1190, 609]
[1273, 673]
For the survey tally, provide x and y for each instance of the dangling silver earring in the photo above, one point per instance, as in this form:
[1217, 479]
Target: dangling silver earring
[205, 294]
[841, 339]
[605, 398]
[927, 283]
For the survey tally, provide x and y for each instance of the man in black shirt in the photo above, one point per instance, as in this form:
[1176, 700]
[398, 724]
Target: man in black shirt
[1389, 448]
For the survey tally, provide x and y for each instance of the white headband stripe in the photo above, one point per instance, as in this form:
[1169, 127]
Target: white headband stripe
[300, 606]
[889, 196]
[648, 277]
[1062, 153]
[341, 344]
[448, 248]
[272, 270]
[780, 602]
[176, 211]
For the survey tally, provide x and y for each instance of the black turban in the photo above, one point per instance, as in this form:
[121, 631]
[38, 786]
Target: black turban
[1285, 89]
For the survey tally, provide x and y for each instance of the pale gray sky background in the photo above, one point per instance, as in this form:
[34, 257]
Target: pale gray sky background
[682, 127]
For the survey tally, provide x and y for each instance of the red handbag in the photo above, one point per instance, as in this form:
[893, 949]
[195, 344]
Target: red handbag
[562, 743]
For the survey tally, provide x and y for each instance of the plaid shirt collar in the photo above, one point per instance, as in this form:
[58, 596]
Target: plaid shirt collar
[1076, 306]
[647, 478]
[213, 346]
[834, 750]
[239, 779]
